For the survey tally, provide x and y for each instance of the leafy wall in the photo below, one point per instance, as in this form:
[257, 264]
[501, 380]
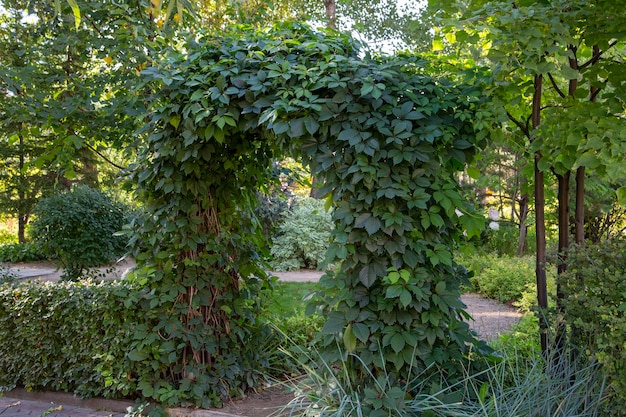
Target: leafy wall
[384, 137]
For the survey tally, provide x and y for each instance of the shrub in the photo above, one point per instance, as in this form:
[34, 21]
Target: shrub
[99, 339]
[303, 236]
[21, 252]
[77, 336]
[502, 278]
[78, 228]
[595, 293]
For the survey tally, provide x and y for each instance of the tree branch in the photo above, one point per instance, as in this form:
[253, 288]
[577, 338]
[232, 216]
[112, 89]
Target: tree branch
[556, 87]
[104, 157]
[522, 126]
[596, 57]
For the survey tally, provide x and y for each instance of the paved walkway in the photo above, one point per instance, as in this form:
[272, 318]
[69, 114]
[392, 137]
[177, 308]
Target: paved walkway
[14, 407]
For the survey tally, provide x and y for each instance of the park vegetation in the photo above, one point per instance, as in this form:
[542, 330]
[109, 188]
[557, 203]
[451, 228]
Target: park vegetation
[183, 135]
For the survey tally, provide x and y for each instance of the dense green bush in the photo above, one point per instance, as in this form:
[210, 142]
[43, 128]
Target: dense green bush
[21, 252]
[303, 236]
[502, 278]
[595, 291]
[72, 337]
[96, 339]
[78, 228]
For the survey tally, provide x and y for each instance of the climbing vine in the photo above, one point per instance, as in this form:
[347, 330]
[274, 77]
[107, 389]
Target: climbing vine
[384, 138]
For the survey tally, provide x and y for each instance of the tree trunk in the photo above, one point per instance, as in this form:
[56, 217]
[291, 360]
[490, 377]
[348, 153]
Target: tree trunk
[21, 196]
[540, 227]
[331, 13]
[579, 213]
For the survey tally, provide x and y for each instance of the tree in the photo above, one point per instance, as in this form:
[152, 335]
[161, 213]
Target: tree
[560, 78]
[67, 102]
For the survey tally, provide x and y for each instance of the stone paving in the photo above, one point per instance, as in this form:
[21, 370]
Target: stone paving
[13, 407]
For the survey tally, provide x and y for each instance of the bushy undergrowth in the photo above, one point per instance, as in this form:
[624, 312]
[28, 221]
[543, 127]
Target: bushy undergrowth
[21, 252]
[85, 338]
[595, 310]
[500, 278]
[303, 236]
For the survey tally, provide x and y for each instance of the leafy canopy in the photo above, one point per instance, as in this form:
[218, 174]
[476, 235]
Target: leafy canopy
[384, 138]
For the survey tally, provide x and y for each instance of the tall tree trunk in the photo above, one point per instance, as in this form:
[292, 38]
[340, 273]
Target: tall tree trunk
[579, 213]
[563, 210]
[540, 226]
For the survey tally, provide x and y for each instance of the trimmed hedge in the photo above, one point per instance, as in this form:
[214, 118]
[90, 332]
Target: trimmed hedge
[83, 337]
[69, 337]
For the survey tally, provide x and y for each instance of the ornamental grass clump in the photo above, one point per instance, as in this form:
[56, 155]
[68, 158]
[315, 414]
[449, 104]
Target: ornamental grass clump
[520, 386]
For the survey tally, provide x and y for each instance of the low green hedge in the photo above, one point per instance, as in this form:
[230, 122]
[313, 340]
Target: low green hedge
[82, 337]
[69, 337]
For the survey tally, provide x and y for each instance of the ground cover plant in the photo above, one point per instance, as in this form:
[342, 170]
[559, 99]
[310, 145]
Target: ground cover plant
[521, 382]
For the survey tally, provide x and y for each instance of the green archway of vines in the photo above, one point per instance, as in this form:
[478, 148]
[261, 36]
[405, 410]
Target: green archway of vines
[384, 138]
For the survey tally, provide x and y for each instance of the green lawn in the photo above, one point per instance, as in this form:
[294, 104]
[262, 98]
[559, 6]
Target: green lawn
[288, 297]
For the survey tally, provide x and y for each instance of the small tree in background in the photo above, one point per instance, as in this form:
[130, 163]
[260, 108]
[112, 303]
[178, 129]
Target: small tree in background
[78, 228]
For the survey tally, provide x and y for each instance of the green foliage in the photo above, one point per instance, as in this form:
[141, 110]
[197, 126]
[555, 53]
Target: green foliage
[22, 252]
[78, 336]
[595, 293]
[7, 237]
[514, 385]
[78, 228]
[303, 236]
[504, 241]
[502, 278]
[385, 140]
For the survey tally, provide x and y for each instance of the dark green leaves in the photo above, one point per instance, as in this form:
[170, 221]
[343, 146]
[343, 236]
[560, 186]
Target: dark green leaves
[383, 139]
